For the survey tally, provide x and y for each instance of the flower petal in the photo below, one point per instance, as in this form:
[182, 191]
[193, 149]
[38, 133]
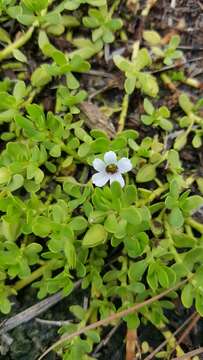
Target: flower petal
[110, 157]
[124, 165]
[117, 177]
[100, 179]
[99, 165]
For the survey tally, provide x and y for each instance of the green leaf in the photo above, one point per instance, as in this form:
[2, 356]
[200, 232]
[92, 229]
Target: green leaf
[199, 181]
[174, 160]
[71, 5]
[19, 90]
[37, 115]
[90, 22]
[135, 245]
[166, 124]
[196, 141]
[79, 65]
[96, 235]
[116, 190]
[148, 84]
[18, 55]
[148, 107]
[131, 215]
[130, 85]
[152, 37]
[4, 36]
[72, 82]
[70, 254]
[199, 303]
[142, 59]
[198, 277]
[187, 295]
[5, 175]
[122, 63]
[55, 151]
[93, 336]
[54, 19]
[193, 256]
[9, 230]
[96, 2]
[40, 77]
[176, 218]
[175, 189]
[182, 240]
[28, 127]
[133, 321]
[111, 223]
[5, 305]
[136, 270]
[185, 103]
[146, 173]
[147, 120]
[130, 194]
[16, 182]
[192, 203]
[78, 311]
[84, 149]
[97, 216]
[174, 42]
[108, 36]
[162, 277]
[7, 101]
[180, 141]
[152, 278]
[41, 226]
[100, 145]
[78, 223]
[34, 5]
[39, 176]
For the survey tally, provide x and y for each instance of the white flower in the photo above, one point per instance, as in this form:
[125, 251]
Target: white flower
[110, 169]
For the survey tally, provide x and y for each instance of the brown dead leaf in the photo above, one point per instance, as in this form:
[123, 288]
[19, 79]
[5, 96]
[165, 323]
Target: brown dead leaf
[95, 119]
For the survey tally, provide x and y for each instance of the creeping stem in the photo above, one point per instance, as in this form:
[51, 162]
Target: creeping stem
[195, 224]
[123, 114]
[17, 44]
[32, 277]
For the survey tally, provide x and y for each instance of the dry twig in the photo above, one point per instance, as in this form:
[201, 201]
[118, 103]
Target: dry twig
[105, 341]
[113, 317]
[33, 311]
[155, 351]
[189, 354]
[187, 330]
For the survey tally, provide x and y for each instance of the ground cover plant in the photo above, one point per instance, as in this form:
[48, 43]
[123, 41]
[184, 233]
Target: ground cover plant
[101, 174]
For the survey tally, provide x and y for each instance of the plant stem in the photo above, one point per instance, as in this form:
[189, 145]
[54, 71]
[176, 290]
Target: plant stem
[195, 224]
[33, 276]
[17, 44]
[189, 354]
[121, 122]
[32, 94]
[114, 7]
[176, 255]
[73, 153]
[149, 5]
[156, 193]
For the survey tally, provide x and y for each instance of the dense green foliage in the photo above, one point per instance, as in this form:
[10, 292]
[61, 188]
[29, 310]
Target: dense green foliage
[125, 244]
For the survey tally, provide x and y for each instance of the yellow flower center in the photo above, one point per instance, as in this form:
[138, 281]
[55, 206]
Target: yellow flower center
[111, 168]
